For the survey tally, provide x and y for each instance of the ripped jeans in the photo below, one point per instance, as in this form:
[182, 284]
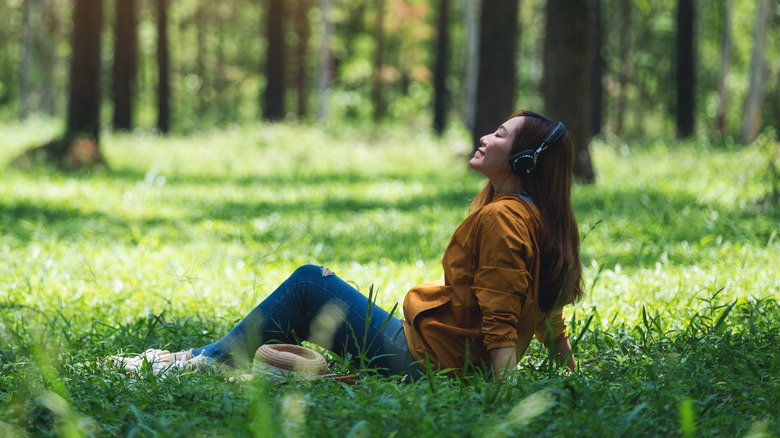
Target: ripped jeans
[317, 306]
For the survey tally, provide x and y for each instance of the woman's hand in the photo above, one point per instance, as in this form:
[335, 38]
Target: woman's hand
[562, 349]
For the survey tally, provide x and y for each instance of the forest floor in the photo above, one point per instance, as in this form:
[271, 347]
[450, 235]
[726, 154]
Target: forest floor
[678, 333]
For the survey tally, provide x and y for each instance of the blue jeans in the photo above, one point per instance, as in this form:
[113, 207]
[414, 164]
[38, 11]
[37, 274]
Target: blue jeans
[317, 306]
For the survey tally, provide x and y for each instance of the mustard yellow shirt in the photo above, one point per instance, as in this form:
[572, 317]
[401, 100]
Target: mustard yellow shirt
[488, 298]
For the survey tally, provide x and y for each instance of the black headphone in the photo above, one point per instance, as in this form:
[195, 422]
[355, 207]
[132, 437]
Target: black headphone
[524, 162]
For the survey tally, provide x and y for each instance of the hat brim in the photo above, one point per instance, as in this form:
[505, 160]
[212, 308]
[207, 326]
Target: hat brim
[284, 359]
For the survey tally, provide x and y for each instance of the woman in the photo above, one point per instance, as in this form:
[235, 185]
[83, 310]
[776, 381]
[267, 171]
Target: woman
[508, 270]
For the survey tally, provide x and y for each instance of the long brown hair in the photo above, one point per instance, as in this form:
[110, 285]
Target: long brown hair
[549, 185]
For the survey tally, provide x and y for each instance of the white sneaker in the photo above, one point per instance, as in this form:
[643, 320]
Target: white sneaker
[162, 361]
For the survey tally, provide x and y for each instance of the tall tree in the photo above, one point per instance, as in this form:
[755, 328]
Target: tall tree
[354, 26]
[568, 48]
[685, 68]
[497, 77]
[440, 92]
[5, 65]
[79, 145]
[597, 88]
[275, 64]
[51, 37]
[471, 24]
[125, 62]
[222, 104]
[725, 59]
[752, 117]
[84, 101]
[377, 95]
[163, 77]
[27, 49]
[201, 18]
[326, 59]
[303, 31]
[625, 65]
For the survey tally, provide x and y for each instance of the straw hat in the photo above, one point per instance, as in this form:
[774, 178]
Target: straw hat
[283, 360]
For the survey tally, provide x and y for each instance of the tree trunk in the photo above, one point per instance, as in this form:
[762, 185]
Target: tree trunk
[497, 77]
[725, 59]
[84, 100]
[79, 146]
[685, 69]
[221, 99]
[640, 78]
[275, 62]
[163, 79]
[326, 59]
[354, 26]
[201, 29]
[567, 97]
[624, 73]
[4, 64]
[125, 63]
[440, 93]
[471, 24]
[27, 51]
[377, 95]
[755, 96]
[50, 40]
[597, 87]
[303, 30]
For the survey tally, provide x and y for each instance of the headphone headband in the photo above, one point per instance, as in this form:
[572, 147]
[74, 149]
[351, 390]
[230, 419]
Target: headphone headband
[523, 163]
[552, 137]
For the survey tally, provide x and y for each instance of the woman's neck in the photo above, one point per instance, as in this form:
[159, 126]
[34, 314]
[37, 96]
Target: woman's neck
[510, 184]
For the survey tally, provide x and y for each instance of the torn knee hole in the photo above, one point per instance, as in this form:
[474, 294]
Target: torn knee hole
[326, 272]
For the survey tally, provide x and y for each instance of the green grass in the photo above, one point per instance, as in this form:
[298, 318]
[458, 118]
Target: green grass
[678, 334]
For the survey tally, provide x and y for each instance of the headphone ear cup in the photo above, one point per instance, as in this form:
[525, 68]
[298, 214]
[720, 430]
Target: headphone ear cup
[522, 163]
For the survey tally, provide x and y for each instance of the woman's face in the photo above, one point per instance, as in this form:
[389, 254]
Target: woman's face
[492, 157]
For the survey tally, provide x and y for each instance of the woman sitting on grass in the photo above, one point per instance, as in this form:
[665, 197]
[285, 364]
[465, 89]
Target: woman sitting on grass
[508, 270]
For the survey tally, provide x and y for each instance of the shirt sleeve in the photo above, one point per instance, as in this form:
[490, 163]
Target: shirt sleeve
[502, 279]
[553, 328]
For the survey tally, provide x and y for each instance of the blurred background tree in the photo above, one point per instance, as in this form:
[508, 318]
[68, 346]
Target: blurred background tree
[569, 47]
[685, 68]
[78, 147]
[125, 62]
[496, 66]
[660, 68]
[163, 69]
[276, 61]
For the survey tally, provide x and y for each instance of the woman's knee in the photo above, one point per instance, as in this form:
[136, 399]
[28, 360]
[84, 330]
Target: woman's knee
[312, 271]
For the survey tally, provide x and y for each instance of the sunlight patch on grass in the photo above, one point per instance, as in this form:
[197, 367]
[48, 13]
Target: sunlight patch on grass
[185, 235]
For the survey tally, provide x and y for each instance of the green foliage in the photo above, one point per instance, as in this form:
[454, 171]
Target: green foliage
[678, 333]
[218, 53]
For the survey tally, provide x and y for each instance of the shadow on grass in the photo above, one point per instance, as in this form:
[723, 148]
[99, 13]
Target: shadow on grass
[653, 222]
[302, 176]
[350, 219]
[659, 224]
[24, 219]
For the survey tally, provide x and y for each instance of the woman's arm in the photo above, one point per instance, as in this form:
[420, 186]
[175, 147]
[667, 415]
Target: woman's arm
[501, 282]
[504, 359]
[563, 348]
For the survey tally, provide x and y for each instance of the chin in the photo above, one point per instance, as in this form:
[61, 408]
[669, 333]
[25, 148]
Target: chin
[477, 169]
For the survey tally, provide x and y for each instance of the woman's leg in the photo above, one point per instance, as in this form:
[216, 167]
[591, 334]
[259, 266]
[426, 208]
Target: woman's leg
[315, 305]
